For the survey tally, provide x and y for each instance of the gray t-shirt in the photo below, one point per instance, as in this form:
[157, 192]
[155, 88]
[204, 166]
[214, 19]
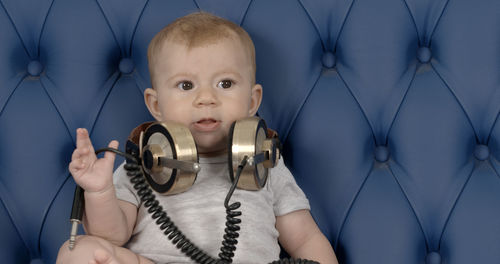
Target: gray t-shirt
[200, 214]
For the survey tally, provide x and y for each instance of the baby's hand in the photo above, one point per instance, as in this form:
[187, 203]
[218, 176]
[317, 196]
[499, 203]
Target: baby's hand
[92, 174]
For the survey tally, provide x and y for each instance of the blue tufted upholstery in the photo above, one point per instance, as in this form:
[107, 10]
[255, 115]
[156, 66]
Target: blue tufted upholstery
[388, 111]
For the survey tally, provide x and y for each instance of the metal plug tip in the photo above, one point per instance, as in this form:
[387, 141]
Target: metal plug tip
[72, 236]
[71, 243]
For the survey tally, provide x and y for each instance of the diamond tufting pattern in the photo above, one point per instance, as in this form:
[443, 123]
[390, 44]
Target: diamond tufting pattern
[388, 110]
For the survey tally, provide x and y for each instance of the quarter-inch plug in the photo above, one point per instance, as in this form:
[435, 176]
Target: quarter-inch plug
[76, 215]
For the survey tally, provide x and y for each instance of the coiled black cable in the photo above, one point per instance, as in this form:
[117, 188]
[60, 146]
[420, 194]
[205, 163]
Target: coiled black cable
[232, 223]
[136, 177]
[134, 171]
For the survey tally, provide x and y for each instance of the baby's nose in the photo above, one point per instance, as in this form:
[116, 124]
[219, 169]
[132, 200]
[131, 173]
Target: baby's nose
[206, 96]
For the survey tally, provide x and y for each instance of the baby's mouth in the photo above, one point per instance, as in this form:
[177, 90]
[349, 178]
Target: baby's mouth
[207, 124]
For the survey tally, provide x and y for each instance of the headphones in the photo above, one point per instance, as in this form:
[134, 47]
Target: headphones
[166, 153]
[169, 157]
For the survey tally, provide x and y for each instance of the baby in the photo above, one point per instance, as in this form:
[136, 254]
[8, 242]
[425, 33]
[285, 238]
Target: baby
[203, 76]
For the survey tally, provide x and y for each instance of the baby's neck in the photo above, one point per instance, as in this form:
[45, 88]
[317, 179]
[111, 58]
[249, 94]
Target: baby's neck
[212, 154]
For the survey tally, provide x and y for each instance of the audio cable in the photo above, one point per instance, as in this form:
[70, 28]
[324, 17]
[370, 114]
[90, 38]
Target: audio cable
[79, 200]
[136, 177]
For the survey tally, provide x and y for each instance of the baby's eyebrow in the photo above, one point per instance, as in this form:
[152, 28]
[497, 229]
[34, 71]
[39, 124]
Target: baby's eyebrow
[238, 75]
[179, 76]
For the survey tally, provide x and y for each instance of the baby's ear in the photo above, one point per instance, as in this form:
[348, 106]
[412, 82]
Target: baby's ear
[151, 100]
[256, 99]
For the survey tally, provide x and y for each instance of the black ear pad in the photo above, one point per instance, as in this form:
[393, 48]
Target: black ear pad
[161, 182]
[230, 153]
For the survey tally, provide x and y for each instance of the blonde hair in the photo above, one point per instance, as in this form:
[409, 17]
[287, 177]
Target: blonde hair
[195, 30]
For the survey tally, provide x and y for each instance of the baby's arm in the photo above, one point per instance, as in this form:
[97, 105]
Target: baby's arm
[301, 238]
[105, 216]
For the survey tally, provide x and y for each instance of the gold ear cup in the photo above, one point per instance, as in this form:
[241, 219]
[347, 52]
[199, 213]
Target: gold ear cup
[170, 159]
[248, 138]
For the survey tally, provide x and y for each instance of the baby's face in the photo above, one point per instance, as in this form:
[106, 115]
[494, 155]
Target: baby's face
[205, 88]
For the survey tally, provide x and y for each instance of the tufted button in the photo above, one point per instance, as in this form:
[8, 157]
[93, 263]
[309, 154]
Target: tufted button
[424, 54]
[433, 258]
[126, 66]
[329, 60]
[381, 153]
[482, 152]
[35, 68]
[36, 261]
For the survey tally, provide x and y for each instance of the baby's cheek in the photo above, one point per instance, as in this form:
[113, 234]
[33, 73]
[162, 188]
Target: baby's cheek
[176, 114]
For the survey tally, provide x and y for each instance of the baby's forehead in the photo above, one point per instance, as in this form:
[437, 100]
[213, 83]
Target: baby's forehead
[173, 45]
[230, 44]
[190, 43]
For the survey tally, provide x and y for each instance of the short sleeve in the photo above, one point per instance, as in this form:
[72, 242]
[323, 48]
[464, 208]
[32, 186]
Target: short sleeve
[123, 187]
[287, 195]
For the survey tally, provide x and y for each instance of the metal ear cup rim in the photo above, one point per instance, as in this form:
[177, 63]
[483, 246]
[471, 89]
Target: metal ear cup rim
[183, 148]
[243, 140]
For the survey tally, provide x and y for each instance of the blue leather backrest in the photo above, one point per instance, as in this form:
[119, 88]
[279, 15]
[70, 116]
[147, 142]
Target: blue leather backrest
[388, 111]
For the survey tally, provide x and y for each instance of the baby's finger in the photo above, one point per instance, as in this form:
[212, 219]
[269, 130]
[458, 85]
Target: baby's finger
[83, 139]
[79, 153]
[76, 154]
[76, 165]
[110, 156]
[72, 167]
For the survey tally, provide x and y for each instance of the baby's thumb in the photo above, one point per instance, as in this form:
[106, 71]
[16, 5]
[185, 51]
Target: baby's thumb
[110, 156]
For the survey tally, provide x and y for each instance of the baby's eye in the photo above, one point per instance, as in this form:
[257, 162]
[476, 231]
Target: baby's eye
[185, 85]
[225, 84]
